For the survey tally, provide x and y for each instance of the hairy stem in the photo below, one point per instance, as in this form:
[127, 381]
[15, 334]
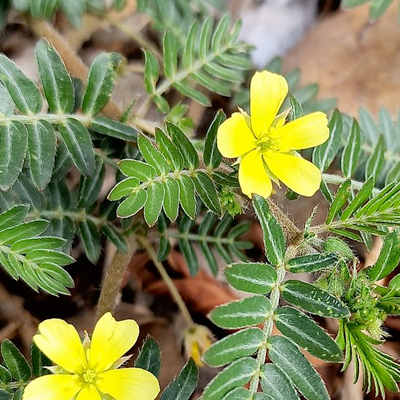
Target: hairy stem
[145, 243]
[113, 278]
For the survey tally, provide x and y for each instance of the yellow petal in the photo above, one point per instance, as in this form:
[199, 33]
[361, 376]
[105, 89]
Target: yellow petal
[89, 392]
[267, 92]
[61, 343]
[253, 177]
[234, 137]
[129, 384]
[304, 132]
[110, 341]
[296, 173]
[50, 387]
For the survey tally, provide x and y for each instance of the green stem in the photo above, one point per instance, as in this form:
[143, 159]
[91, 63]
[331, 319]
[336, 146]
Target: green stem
[113, 279]
[145, 243]
[337, 180]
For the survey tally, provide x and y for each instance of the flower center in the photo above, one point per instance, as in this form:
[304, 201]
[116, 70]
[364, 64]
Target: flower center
[89, 376]
[267, 144]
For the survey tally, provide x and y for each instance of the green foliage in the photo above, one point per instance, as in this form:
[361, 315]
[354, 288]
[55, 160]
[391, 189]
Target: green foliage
[32, 135]
[376, 10]
[209, 235]
[211, 57]
[46, 9]
[26, 254]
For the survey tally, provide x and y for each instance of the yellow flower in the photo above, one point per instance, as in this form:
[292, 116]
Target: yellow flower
[89, 371]
[267, 146]
[197, 339]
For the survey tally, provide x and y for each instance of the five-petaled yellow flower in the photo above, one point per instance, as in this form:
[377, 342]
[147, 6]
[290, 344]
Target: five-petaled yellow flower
[267, 147]
[89, 371]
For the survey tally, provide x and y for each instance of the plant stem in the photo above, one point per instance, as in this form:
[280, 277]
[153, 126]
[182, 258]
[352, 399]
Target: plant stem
[113, 278]
[145, 243]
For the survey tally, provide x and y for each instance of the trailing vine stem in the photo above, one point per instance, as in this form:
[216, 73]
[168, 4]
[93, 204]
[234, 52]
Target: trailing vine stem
[145, 243]
[113, 278]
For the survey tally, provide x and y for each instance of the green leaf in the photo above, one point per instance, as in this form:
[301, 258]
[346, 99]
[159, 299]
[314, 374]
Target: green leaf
[23, 91]
[23, 231]
[115, 237]
[153, 206]
[192, 93]
[57, 83]
[140, 170]
[240, 344]
[307, 334]
[74, 11]
[241, 313]
[378, 8]
[153, 156]
[314, 300]
[77, 139]
[207, 192]
[132, 204]
[38, 243]
[212, 156]
[5, 376]
[182, 387]
[101, 82]
[341, 197]
[170, 55]
[388, 259]
[256, 278]
[352, 150]
[324, 154]
[276, 383]
[42, 145]
[123, 188]
[90, 237]
[235, 375]
[13, 146]
[5, 395]
[151, 72]
[7, 105]
[187, 196]
[49, 256]
[15, 361]
[149, 357]
[359, 199]
[376, 161]
[311, 263]
[89, 189]
[169, 151]
[190, 256]
[204, 38]
[286, 355]
[274, 241]
[43, 8]
[13, 216]
[171, 200]
[114, 129]
[39, 362]
[190, 47]
[184, 145]
[239, 393]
